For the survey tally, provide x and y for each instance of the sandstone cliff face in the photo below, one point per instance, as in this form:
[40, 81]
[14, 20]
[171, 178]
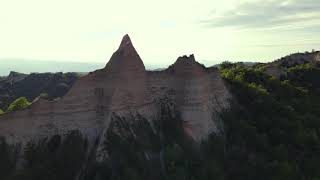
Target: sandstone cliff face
[124, 88]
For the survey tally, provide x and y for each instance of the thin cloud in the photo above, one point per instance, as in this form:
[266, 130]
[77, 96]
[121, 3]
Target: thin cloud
[284, 45]
[269, 14]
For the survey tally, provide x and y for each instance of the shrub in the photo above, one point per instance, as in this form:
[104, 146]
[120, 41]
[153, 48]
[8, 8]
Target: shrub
[19, 104]
[55, 158]
[258, 88]
[1, 111]
[7, 156]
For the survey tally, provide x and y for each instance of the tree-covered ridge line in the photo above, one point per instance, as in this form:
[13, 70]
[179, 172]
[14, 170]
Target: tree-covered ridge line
[273, 125]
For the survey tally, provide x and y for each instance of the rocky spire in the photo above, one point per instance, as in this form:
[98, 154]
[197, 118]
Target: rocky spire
[187, 66]
[125, 58]
[126, 41]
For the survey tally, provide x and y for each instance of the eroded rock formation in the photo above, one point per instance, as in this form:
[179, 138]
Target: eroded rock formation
[124, 88]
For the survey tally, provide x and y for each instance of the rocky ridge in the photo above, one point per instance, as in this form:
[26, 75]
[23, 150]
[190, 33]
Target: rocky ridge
[125, 89]
[277, 68]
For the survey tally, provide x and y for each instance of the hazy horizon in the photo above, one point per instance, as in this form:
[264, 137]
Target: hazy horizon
[28, 66]
[40, 66]
[37, 66]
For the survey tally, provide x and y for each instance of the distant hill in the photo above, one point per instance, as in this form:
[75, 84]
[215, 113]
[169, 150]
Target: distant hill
[29, 66]
[17, 85]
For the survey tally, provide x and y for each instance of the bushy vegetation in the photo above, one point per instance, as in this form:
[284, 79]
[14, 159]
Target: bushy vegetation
[306, 76]
[139, 150]
[19, 104]
[7, 159]
[133, 148]
[48, 159]
[1, 111]
[273, 127]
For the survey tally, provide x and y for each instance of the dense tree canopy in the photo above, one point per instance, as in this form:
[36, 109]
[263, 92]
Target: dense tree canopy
[273, 126]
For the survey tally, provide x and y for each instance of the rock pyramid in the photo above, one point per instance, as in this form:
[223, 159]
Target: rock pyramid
[124, 88]
[126, 58]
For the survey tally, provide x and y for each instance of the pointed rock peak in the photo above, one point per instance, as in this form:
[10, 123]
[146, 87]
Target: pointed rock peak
[126, 45]
[125, 41]
[125, 58]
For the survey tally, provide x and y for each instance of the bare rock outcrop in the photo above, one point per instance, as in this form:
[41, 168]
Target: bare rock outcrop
[125, 88]
[300, 58]
[277, 68]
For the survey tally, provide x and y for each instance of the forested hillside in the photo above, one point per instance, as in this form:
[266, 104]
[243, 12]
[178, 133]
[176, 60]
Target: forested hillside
[30, 86]
[272, 129]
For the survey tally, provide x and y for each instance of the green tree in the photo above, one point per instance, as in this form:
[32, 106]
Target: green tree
[18, 104]
[226, 65]
[1, 111]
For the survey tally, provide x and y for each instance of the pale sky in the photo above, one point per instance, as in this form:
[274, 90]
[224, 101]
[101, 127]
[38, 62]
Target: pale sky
[214, 30]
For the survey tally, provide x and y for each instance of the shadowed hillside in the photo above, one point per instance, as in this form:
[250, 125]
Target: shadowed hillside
[17, 85]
